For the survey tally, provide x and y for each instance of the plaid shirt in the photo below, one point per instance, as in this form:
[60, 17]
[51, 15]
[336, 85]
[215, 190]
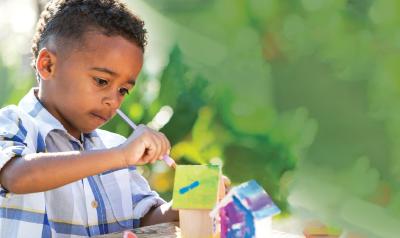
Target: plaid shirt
[104, 203]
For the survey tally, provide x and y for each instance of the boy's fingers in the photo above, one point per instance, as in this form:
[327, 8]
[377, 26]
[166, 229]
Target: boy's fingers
[154, 149]
[226, 180]
[167, 144]
[161, 140]
[221, 190]
[156, 143]
[164, 144]
[151, 148]
[227, 183]
[159, 145]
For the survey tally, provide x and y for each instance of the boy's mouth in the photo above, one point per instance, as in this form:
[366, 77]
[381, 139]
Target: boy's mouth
[101, 117]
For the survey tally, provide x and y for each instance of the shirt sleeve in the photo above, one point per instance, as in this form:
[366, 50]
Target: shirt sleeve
[143, 198]
[13, 138]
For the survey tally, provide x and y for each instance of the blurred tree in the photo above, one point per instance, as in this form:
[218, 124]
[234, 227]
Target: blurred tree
[302, 96]
[270, 65]
[6, 84]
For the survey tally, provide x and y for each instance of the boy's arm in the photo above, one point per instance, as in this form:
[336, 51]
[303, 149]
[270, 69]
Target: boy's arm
[160, 214]
[44, 171]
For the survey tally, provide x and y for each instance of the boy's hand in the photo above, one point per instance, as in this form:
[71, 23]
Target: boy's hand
[224, 187]
[144, 146]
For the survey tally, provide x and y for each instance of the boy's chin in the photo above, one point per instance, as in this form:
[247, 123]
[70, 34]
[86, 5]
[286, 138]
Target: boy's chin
[89, 129]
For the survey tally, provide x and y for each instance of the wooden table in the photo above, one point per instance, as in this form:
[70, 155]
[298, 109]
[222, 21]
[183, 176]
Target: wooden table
[167, 230]
[171, 230]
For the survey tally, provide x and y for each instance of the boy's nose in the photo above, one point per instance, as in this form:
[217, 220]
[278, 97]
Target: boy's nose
[112, 100]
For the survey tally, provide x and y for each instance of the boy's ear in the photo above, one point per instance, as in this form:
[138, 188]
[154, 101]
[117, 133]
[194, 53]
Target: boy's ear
[45, 64]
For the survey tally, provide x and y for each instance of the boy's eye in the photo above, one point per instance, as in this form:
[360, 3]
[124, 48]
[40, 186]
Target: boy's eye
[100, 81]
[123, 91]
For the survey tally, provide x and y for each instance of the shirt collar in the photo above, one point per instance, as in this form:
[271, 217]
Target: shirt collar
[46, 122]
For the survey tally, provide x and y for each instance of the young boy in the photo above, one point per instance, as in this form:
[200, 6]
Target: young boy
[60, 176]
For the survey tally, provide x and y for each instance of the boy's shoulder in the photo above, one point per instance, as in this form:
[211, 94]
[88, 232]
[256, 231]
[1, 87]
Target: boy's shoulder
[11, 111]
[12, 117]
[14, 114]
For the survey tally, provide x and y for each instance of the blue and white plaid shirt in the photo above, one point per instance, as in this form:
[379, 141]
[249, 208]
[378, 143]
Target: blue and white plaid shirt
[100, 204]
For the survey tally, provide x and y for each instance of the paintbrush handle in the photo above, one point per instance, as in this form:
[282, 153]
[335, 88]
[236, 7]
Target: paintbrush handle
[126, 119]
[170, 162]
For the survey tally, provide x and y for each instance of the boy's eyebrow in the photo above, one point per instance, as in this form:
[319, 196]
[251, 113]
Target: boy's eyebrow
[112, 73]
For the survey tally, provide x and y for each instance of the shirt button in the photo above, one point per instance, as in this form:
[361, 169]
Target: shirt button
[95, 204]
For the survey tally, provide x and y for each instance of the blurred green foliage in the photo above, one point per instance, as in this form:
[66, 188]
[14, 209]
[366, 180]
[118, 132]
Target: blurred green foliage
[302, 96]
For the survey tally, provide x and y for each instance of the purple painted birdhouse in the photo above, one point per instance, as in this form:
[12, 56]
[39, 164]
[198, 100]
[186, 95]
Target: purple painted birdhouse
[246, 212]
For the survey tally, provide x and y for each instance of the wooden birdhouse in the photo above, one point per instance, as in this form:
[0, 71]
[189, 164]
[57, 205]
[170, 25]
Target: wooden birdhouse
[246, 211]
[196, 192]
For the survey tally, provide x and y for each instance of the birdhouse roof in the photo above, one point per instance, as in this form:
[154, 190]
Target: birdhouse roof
[253, 197]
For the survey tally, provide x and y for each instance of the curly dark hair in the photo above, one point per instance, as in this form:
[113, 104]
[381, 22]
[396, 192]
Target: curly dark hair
[70, 19]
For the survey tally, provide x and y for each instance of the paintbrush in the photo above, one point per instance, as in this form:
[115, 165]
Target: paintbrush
[170, 162]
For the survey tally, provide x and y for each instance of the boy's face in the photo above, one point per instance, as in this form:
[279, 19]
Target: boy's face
[84, 87]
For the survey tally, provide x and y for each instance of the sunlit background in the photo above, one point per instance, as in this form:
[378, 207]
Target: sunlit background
[303, 96]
